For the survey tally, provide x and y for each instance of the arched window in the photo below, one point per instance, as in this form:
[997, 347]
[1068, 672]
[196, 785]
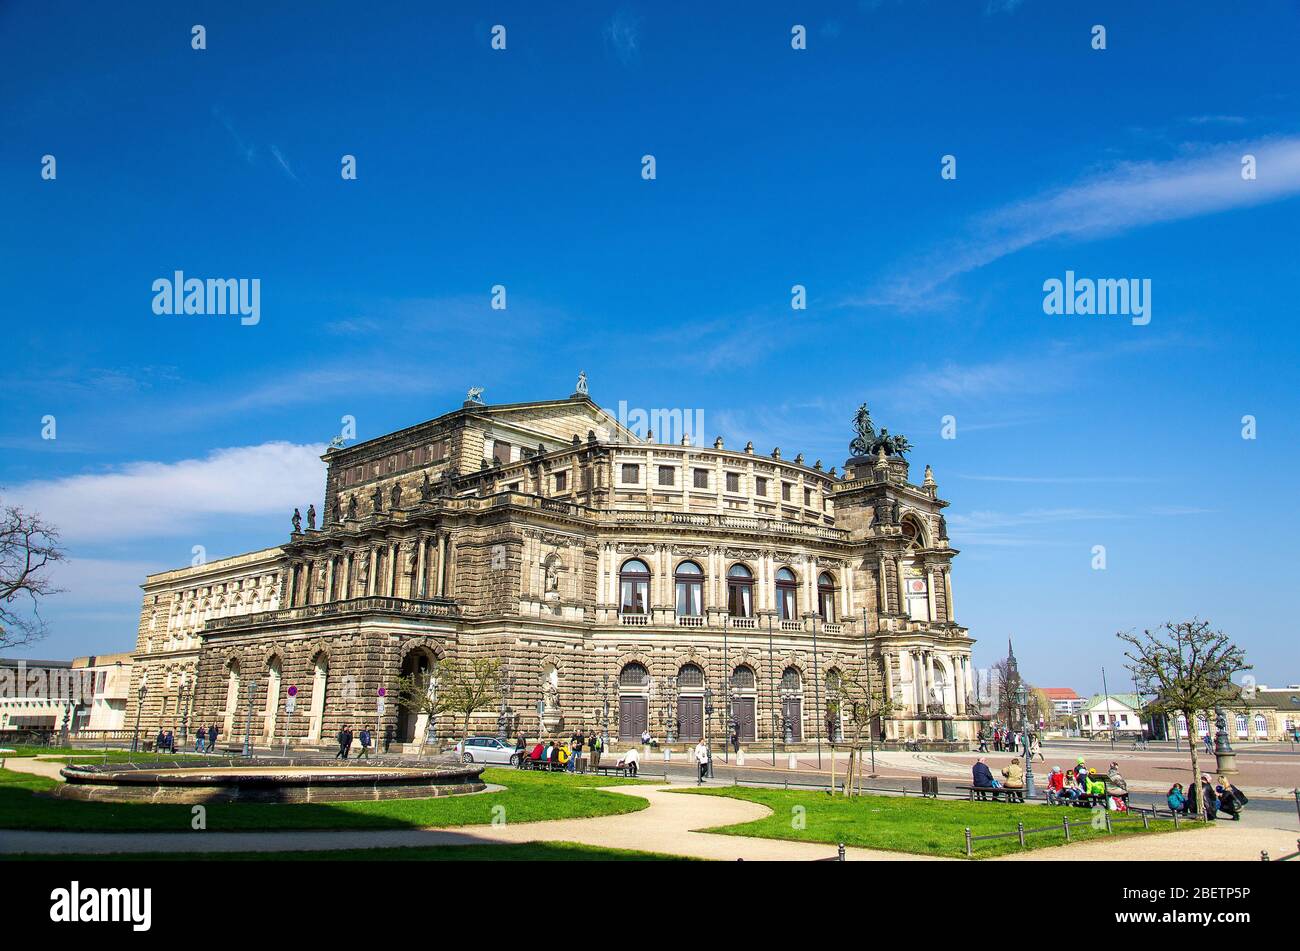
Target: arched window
[232, 696]
[1202, 726]
[1261, 725]
[791, 680]
[1243, 725]
[633, 675]
[913, 534]
[826, 596]
[787, 595]
[272, 708]
[634, 585]
[690, 589]
[742, 678]
[319, 686]
[690, 677]
[1182, 725]
[740, 591]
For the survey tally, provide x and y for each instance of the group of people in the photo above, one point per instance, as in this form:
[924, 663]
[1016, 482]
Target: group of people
[566, 753]
[1083, 785]
[345, 736]
[1011, 741]
[1221, 797]
[205, 740]
[165, 742]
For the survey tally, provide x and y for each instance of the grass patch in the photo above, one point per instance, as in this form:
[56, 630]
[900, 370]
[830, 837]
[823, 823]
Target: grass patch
[920, 826]
[530, 797]
[81, 754]
[521, 852]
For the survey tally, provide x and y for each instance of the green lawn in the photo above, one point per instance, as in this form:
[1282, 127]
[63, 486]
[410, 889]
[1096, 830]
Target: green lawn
[898, 824]
[530, 797]
[80, 754]
[523, 852]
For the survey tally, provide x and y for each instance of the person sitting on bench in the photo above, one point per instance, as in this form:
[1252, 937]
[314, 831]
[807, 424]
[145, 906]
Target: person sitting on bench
[1055, 786]
[1015, 784]
[631, 760]
[981, 777]
[538, 754]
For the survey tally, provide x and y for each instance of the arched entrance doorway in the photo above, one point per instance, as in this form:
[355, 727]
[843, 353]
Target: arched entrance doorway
[412, 723]
[744, 699]
[690, 703]
[633, 701]
[792, 705]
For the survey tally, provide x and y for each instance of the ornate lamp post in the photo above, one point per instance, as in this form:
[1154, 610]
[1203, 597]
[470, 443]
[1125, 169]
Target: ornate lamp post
[670, 732]
[139, 706]
[1022, 700]
[605, 685]
[708, 717]
[185, 713]
[1223, 753]
[503, 688]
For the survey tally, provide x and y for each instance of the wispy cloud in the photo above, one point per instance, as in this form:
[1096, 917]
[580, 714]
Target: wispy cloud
[283, 162]
[623, 35]
[1127, 196]
[247, 151]
[161, 499]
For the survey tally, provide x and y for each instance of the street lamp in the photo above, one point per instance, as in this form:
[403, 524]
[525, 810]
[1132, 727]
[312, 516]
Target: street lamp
[604, 692]
[708, 717]
[139, 705]
[1022, 699]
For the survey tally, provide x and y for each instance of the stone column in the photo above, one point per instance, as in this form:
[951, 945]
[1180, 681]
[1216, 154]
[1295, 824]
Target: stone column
[902, 587]
[882, 588]
[417, 583]
[947, 591]
[441, 584]
[929, 591]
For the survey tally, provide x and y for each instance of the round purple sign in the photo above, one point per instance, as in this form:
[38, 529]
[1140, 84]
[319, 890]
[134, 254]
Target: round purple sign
[293, 691]
[383, 692]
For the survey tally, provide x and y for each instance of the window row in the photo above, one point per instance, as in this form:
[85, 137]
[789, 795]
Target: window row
[666, 477]
[688, 582]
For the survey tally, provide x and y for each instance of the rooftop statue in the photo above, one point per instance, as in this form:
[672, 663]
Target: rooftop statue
[582, 383]
[868, 442]
[475, 395]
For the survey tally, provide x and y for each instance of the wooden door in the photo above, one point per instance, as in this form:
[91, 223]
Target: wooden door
[632, 717]
[690, 719]
[792, 709]
[745, 723]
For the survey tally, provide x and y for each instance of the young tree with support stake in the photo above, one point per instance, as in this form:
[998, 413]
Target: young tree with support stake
[862, 702]
[1187, 666]
[462, 687]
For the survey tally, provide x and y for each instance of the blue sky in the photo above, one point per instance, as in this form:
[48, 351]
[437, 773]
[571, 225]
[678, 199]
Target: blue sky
[818, 167]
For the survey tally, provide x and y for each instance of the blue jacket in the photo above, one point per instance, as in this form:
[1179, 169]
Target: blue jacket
[982, 775]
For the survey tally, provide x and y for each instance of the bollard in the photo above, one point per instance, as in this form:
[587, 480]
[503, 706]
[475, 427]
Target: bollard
[1175, 814]
[740, 757]
[668, 755]
[1263, 856]
[1065, 821]
[1020, 831]
[1146, 821]
[968, 850]
[792, 761]
[1106, 813]
[840, 856]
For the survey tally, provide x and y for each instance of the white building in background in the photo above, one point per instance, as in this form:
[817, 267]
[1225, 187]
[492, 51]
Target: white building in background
[86, 693]
[1103, 713]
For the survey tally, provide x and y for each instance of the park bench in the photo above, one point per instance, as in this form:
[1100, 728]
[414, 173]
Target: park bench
[618, 769]
[981, 793]
[551, 766]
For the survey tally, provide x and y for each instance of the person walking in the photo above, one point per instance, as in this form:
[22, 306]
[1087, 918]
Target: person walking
[1209, 744]
[1036, 749]
[212, 738]
[983, 737]
[345, 740]
[701, 762]
[198, 740]
[365, 744]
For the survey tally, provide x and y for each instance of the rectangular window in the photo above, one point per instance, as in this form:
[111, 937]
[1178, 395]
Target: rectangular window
[561, 481]
[807, 498]
[631, 473]
[733, 481]
[501, 452]
[760, 486]
[701, 478]
[667, 475]
[439, 450]
[786, 489]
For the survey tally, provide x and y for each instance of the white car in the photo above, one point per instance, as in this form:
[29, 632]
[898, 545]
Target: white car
[487, 749]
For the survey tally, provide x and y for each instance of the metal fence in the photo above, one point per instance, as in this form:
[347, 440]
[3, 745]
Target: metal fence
[1144, 816]
[1290, 856]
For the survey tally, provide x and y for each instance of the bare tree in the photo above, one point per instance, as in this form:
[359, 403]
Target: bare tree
[470, 685]
[28, 546]
[860, 703]
[1187, 666]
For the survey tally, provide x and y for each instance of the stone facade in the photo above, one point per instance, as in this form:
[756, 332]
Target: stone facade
[547, 535]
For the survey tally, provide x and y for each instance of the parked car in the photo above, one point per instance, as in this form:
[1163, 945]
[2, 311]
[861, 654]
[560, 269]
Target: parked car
[487, 749]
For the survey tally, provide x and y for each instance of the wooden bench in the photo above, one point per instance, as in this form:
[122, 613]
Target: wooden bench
[552, 766]
[620, 769]
[980, 793]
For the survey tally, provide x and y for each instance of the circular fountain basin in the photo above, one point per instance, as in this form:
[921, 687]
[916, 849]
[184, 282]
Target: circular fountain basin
[254, 780]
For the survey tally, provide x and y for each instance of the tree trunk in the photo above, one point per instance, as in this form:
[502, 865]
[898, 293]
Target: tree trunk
[1196, 770]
